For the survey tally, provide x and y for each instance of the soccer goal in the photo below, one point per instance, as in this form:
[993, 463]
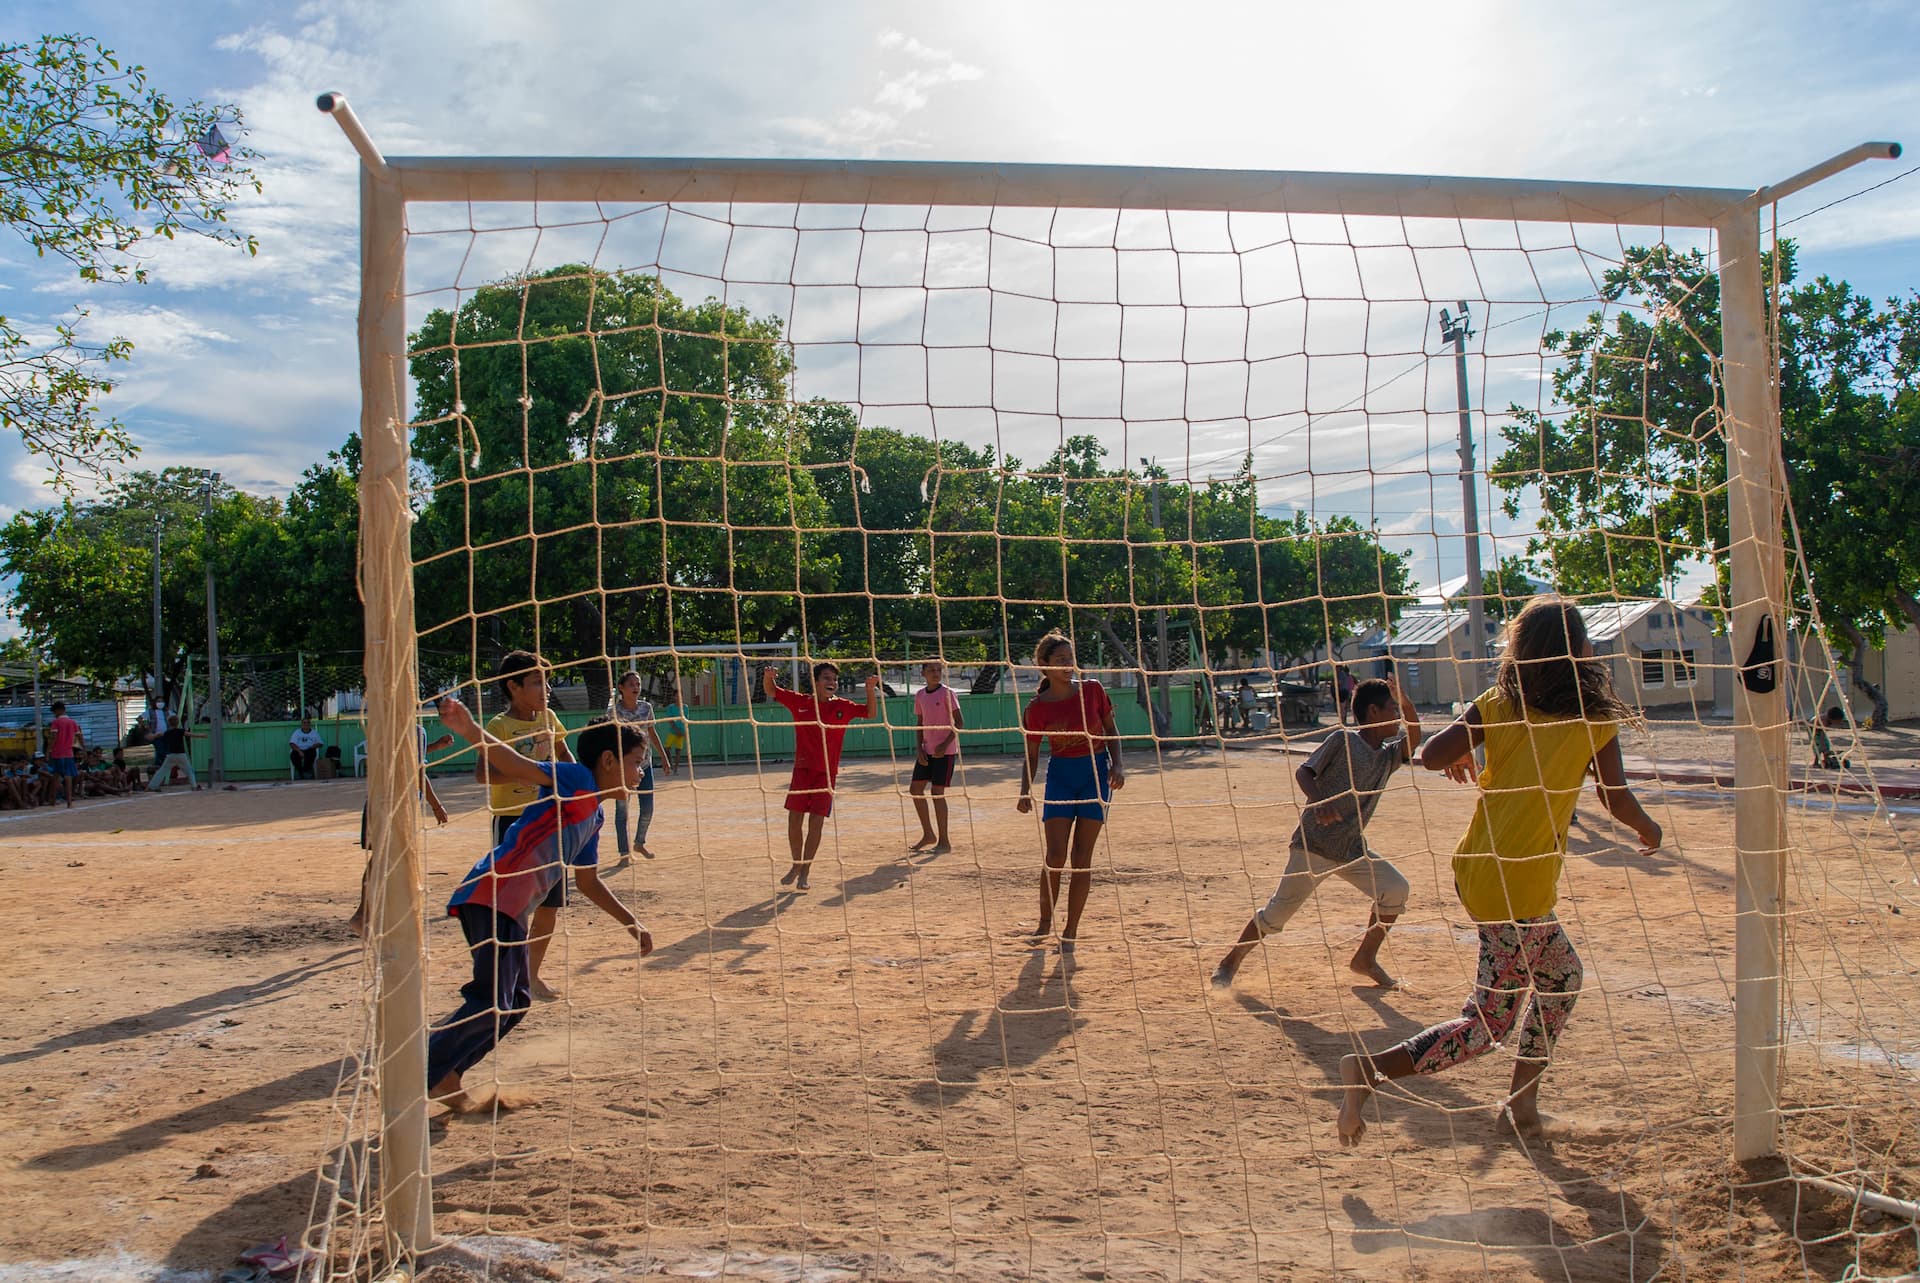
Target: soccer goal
[1248, 440]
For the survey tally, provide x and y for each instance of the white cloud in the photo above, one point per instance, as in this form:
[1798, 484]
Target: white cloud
[157, 332]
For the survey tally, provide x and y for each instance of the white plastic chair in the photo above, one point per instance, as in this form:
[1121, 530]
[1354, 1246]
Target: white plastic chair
[359, 757]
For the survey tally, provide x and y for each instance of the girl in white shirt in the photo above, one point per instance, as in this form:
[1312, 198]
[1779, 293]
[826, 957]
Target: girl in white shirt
[627, 706]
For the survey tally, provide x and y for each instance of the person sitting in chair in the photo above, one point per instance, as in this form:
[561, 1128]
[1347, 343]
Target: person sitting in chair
[303, 746]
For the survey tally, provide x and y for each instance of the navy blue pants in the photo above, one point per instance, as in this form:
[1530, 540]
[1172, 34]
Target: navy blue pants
[492, 1003]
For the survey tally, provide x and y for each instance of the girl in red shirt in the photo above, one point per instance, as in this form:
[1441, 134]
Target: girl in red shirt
[1083, 769]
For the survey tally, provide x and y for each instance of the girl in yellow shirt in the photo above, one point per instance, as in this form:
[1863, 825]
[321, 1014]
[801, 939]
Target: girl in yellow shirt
[1550, 717]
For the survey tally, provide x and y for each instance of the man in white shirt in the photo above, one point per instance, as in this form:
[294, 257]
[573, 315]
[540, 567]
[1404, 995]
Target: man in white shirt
[303, 747]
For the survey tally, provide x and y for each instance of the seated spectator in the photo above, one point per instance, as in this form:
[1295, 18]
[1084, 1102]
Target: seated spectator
[15, 790]
[46, 785]
[126, 777]
[92, 778]
[1824, 758]
[303, 748]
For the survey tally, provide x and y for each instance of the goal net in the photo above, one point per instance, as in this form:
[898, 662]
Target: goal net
[1246, 440]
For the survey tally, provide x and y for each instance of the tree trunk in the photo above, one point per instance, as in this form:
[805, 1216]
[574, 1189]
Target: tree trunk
[1909, 606]
[588, 622]
[1857, 672]
[1158, 717]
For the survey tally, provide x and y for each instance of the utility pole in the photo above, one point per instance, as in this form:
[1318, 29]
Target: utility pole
[216, 748]
[159, 676]
[39, 729]
[1457, 330]
[1165, 680]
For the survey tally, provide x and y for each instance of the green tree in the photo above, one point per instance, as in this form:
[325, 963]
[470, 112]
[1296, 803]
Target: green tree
[83, 573]
[1631, 472]
[607, 465]
[94, 165]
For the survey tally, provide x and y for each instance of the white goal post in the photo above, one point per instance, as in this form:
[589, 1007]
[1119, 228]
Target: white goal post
[388, 185]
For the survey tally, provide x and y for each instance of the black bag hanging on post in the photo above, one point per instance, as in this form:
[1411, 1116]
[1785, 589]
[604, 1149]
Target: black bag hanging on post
[1760, 674]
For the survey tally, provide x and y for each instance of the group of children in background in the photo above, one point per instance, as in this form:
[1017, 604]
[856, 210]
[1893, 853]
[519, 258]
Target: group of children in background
[1527, 744]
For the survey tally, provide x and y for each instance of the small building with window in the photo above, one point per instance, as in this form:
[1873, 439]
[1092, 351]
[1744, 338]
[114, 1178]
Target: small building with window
[1662, 653]
[1429, 651]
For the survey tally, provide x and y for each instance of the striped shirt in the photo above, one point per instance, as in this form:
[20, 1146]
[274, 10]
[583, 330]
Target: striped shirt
[560, 829]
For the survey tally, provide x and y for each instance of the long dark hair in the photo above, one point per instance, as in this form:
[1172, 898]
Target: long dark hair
[1544, 668]
[1044, 647]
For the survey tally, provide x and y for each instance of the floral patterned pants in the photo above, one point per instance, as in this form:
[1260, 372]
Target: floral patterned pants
[1530, 960]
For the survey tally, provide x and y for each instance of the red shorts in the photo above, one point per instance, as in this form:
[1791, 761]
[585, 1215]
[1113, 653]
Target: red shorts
[810, 792]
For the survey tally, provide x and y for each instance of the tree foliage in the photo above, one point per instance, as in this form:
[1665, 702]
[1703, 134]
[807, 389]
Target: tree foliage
[602, 465]
[1631, 468]
[95, 164]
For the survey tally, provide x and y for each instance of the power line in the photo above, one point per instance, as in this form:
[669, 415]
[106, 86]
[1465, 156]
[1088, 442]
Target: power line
[1844, 199]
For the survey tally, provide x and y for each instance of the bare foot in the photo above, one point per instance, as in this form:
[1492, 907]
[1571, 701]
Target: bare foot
[448, 1092]
[1358, 1083]
[940, 848]
[1372, 970]
[926, 840]
[1526, 1120]
[624, 861]
[1222, 977]
[793, 875]
[800, 884]
[544, 991]
[357, 925]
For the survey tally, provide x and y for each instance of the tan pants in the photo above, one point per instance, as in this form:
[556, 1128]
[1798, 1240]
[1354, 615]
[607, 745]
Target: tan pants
[1370, 873]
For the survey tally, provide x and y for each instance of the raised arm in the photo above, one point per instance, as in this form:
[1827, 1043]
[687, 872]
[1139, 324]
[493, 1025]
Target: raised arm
[873, 695]
[1408, 714]
[1451, 751]
[498, 761]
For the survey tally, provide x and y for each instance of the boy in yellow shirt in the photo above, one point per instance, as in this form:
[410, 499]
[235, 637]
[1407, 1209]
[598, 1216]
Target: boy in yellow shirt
[533, 730]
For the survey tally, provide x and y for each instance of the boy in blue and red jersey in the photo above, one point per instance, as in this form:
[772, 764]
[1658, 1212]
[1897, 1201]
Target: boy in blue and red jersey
[561, 829]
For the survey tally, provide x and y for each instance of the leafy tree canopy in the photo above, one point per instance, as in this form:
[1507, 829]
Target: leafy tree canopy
[95, 164]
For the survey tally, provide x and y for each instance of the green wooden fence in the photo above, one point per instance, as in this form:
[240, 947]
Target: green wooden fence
[731, 733]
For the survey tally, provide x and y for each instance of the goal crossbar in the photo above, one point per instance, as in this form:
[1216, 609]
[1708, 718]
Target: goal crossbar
[880, 182]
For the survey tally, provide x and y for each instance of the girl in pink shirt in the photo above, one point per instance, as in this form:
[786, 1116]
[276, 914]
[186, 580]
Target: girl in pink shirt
[936, 711]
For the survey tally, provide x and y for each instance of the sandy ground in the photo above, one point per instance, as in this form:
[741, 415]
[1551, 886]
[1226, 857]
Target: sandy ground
[880, 1080]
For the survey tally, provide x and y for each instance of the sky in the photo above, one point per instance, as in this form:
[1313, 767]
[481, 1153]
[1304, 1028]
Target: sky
[248, 366]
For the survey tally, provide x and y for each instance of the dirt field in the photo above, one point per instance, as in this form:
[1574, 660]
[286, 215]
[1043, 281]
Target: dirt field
[879, 1080]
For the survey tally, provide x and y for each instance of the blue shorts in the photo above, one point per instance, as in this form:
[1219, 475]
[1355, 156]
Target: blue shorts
[1077, 789]
[64, 766]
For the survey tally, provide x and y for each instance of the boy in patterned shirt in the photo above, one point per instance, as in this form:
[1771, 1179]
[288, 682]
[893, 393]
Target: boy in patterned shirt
[1342, 781]
[494, 902]
[530, 727]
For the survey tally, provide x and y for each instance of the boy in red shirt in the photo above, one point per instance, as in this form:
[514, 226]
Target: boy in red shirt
[819, 729]
[63, 737]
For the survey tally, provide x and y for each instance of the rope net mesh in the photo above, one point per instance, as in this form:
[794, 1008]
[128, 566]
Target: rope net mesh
[1222, 454]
